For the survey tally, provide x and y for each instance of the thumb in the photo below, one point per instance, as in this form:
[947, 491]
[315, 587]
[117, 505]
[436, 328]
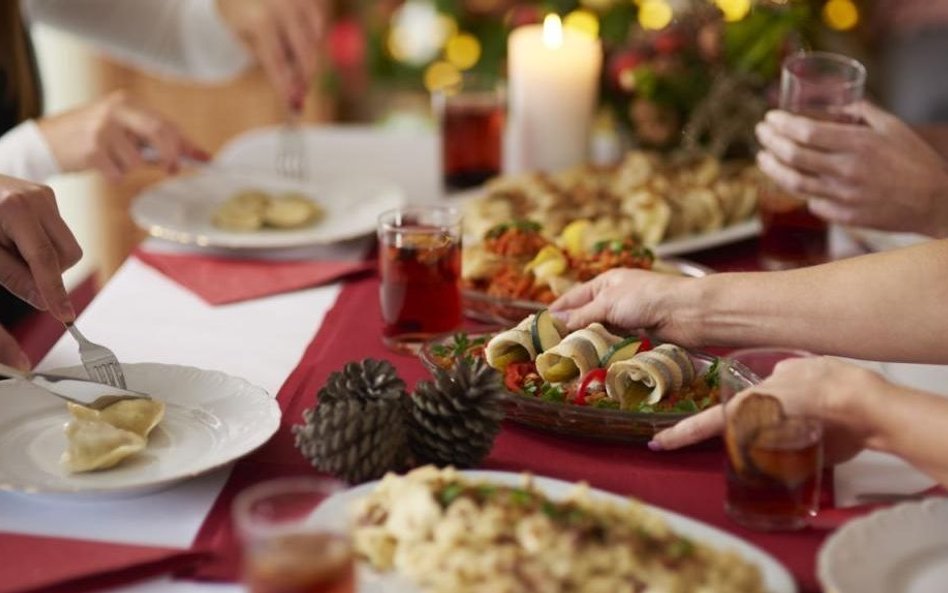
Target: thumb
[876, 117]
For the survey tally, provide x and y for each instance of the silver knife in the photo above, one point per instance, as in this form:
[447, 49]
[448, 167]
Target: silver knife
[81, 391]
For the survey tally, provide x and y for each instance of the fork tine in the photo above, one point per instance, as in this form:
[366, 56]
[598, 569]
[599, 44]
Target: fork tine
[101, 375]
[119, 375]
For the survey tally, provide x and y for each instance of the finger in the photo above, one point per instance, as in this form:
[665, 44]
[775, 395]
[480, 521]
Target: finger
[124, 152]
[150, 129]
[816, 134]
[272, 57]
[38, 251]
[791, 153]
[834, 211]
[67, 248]
[15, 276]
[876, 118]
[789, 179]
[112, 170]
[595, 310]
[301, 49]
[314, 17]
[575, 297]
[689, 431]
[10, 352]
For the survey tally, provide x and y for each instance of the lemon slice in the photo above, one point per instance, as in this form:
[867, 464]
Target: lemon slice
[573, 236]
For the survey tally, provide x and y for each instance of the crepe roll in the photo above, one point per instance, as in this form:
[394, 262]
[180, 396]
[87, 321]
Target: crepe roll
[648, 376]
[513, 345]
[576, 355]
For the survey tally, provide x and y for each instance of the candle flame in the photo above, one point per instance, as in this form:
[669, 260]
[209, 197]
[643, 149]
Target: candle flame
[552, 31]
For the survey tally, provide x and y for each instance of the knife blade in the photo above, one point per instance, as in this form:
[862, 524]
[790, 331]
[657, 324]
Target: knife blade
[81, 391]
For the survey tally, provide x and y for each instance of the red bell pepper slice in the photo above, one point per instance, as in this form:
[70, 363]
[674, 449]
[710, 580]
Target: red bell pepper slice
[593, 376]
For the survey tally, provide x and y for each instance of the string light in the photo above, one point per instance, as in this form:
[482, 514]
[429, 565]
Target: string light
[654, 14]
[463, 51]
[734, 10]
[583, 21]
[841, 15]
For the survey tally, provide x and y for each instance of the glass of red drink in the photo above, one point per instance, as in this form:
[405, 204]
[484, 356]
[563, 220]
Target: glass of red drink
[420, 269]
[471, 115]
[819, 85]
[284, 549]
[774, 459]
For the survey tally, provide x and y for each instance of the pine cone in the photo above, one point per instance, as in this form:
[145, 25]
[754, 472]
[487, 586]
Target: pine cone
[356, 440]
[454, 419]
[367, 380]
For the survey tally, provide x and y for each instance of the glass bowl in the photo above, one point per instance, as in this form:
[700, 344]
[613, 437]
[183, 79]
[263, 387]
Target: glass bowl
[480, 306]
[581, 421]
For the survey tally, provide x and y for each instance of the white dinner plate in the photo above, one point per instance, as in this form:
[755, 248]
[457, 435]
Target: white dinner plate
[334, 512]
[181, 209]
[211, 419]
[678, 246]
[902, 549]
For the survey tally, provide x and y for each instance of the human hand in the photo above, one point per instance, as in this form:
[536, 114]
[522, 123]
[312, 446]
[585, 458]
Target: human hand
[36, 246]
[109, 135]
[824, 388]
[632, 300]
[10, 352]
[284, 35]
[880, 175]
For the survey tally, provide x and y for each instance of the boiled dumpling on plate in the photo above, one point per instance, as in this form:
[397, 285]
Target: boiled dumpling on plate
[94, 445]
[135, 415]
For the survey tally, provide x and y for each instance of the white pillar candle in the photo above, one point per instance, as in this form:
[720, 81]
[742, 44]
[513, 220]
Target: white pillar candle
[553, 81]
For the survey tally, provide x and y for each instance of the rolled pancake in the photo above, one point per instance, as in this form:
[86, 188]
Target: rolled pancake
[513, 345]
[648, 376]
[584, 348]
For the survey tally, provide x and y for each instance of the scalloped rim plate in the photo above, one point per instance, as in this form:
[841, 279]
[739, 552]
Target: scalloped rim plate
[901, 549]
[211, 419]
[334, 512]
[181, 209]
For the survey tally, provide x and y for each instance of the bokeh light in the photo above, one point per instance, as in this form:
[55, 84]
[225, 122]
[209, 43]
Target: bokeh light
[734, 10]
[441, 75]
[463, 51]
[655, 14]
[841, 15]
[583, 21]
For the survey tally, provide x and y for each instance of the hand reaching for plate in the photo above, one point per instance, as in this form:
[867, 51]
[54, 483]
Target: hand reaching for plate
[109, 135]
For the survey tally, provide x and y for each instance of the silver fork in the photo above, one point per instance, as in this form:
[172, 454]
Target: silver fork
[291, 151]
[100, 362]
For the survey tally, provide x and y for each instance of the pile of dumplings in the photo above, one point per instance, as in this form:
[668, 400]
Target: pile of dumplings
[253, 210]
[650, 196]
[100, 439]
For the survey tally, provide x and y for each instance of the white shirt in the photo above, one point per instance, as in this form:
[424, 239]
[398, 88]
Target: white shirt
[178, 38]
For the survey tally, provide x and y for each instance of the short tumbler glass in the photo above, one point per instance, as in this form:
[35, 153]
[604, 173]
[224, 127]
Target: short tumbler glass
[284, 549]
[420, 269]
[774, 458]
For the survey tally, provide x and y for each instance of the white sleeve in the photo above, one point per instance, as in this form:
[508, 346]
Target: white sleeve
[184, 38]
[24, 153]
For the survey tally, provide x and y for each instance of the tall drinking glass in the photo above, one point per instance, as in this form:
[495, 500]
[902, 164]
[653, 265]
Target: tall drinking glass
[471, 115]
[420, 269]
[284, 549]
[818, 85]
[774, 455]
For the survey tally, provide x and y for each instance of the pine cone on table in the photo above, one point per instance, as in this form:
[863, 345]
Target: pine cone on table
[356, 431]
[455, 418]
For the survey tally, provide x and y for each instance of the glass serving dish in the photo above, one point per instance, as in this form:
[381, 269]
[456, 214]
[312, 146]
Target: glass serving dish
[486, 308]
[594, 423]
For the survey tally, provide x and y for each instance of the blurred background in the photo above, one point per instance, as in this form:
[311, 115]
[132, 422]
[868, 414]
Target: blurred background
[677, 72]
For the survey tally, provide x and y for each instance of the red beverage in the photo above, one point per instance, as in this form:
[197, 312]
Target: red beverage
[472, 130]
[301, 563]
[776, 482]
[420, 291]
[791, 237]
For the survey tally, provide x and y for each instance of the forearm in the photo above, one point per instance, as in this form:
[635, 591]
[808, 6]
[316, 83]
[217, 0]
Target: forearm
[910, 424]
[177, 37]
[888, 306]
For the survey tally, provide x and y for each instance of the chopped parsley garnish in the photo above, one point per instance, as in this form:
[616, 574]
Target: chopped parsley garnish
[450, 493]
[711, 377]
[460, 347]
[520, 225]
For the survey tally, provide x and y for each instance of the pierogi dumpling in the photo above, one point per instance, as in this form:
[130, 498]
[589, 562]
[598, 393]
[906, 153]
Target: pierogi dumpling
[135, 415]
[290, 211]
[95, 445]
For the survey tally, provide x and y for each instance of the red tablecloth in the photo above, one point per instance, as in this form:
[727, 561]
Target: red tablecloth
[690, 481]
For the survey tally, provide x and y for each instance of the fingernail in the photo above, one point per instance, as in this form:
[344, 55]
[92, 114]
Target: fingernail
[560, 315]
[654, 445]
[202, 155]
[66, 311]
